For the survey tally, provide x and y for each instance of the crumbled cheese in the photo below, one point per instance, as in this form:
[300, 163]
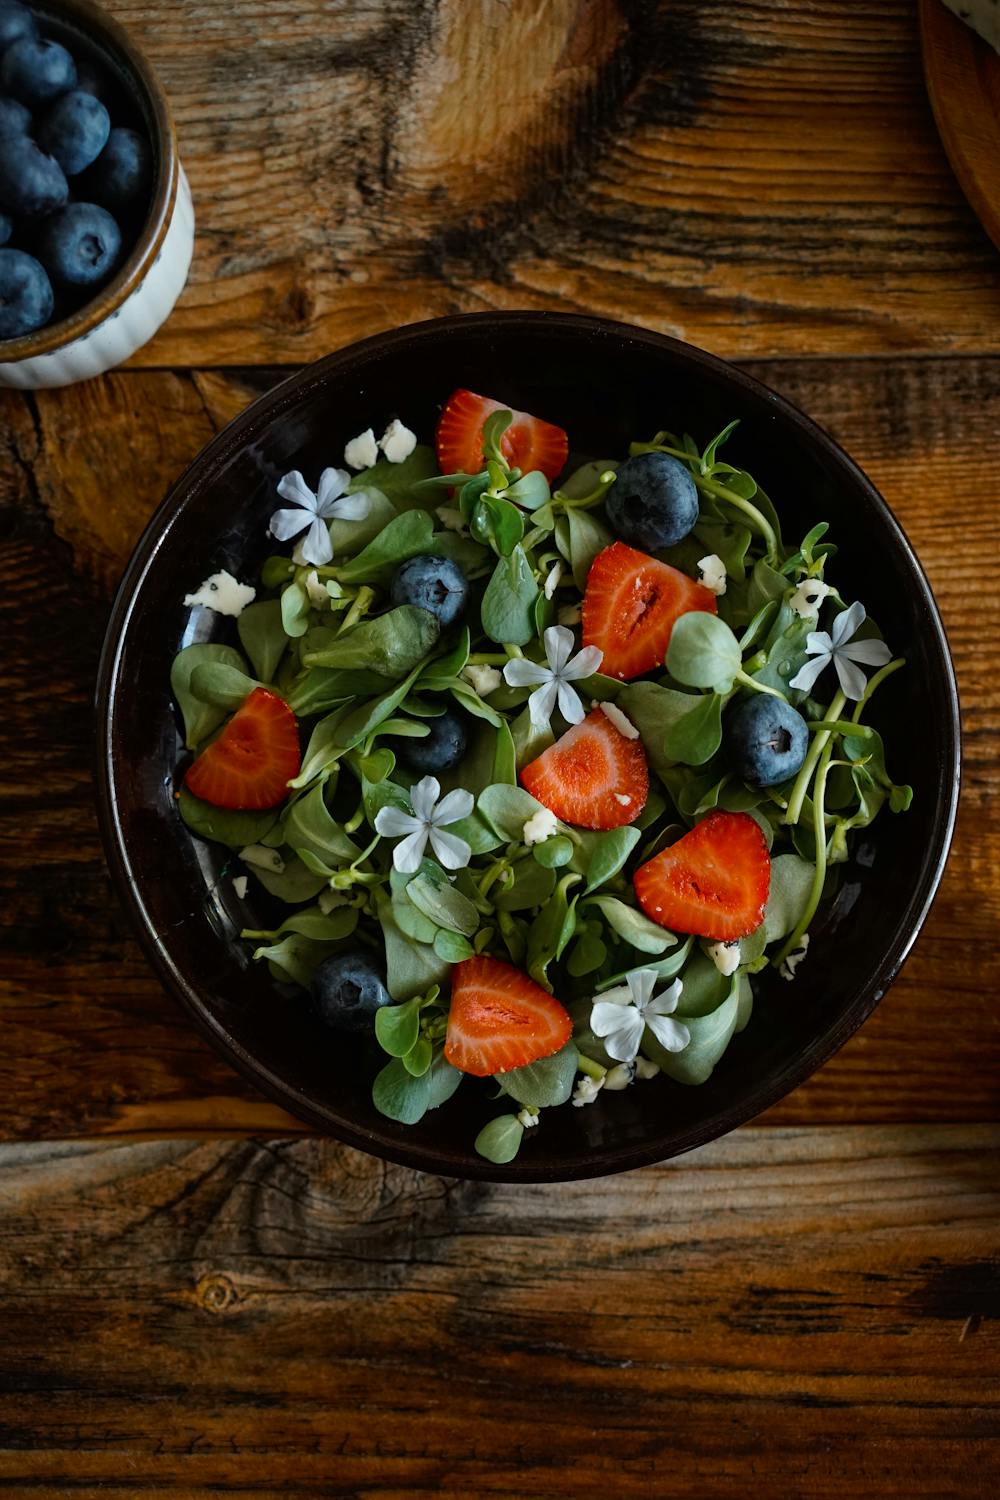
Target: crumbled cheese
[623, 798]
[240, 886]
[262, 858]
[397, 442]
[552, 581]
[483, 679]
[713, 573]
[539, 827]
[621, 1076]
[570, 614]
[587, 1089]
[725, 957]
[618, 719]
[318, 596]
[791, 963]
[809, 596]
[527, 1117]
[328, 901]
[452, 519]
[362, 451]
[224, 594]
[646, 1069]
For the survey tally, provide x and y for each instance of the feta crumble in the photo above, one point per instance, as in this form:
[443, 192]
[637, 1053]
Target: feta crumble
[791, 963]
[397, 441]
[527, 1117]
[620, 1076]
[539, 827]
[646, 1069]
[570, 614]
[587, 1089]
[725, 957]
[224, 594]
[618, 719]
[483, 679]
[318, 596]
[623, 798]
[713, 573]
[240, 886]
[552, 581]
[362, 451]
[452, 519]
[261, 858]
[809, 596]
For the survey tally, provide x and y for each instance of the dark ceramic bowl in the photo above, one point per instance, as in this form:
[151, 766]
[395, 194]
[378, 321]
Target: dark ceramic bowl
[607, 384]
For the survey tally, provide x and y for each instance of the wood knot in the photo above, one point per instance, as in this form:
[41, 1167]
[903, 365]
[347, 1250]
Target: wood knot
[216, 1293]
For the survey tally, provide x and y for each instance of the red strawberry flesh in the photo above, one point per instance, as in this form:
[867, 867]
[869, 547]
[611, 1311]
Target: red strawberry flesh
[500, 1019]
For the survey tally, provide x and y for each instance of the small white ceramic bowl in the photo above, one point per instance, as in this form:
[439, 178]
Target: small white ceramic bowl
[126, 312]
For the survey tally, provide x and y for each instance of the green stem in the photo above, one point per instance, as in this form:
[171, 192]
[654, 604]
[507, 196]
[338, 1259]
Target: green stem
[356, 819]
[365, 598]
[488, 659]
[498, 868]
[876, 681]
[819, 874]
[758, 520]
[589, 1066]
[802, 780]
[838, 726]
[759, 687]
[587, 502]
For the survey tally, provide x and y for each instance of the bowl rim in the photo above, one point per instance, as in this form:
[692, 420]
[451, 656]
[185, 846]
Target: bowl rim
[91, 18]
[612, 1159]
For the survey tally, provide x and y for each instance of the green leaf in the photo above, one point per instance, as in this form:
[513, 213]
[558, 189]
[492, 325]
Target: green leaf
[766, 586]
[654, 710]
[444, 905]
[223, 686]
[532, 886]
[545, 1083]
[791, 883]
[296, 882]
[587, 537]
[419, 1058]
[408, 535]
[500, 1140]
[494, 427]
[870, 751]
[221, 824]
[710, 1036]
[551, 930]
[530, 491]
[744, 1002]
[703, 652]
[444, 1080]
[451, 946]
[507, 809]
[633, 925]
[411, 968]
[466, 697]
[504, 524]
[409, 920]
[309, 825]
[295, 957]
[600, 856]
[200, 718]
[349, 537]
[553, 852]
[587, 953]
[400, 1096]
[359, 722]
[439, 672]
[703, 987]
[397, 1027]
[325, 927]
[529, 742]
[323, 750]
[263, 637]
[397, 482]
[295, 609]
[509, 601]
[391, 644]
[664, 968]
[696, 736]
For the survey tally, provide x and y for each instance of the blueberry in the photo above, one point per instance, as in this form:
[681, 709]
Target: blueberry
[434, 583]
[74, 130]
[6, 228]
[79, 246]
[653, 502]
[31, 183]
[16, 21]
[90, 79]
[765, 740]
[347, 990]
[123, 172]
[440, 750]
[26, 299]
[36, 71]
[14, 118]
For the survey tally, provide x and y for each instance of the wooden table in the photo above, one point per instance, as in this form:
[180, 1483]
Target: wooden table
[197, 1297]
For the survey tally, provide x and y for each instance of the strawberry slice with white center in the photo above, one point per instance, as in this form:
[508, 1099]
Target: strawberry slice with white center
[500, 1019]
[251, 763]
[713, 882]
[595, 776]
[529, 443]
[630, 606]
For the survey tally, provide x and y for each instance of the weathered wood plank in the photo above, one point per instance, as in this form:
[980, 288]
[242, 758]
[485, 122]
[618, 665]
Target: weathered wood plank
[762, 177]
[91, 1043]
[810, 1311]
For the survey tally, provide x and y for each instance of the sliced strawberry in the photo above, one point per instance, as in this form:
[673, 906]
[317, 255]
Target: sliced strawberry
[528, 443]
[630, 605]
[713, 882]
[594, 776]
[251, 763]
[500, 1019]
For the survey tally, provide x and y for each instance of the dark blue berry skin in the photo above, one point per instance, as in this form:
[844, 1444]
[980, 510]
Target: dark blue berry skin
[347, 991]
[26, 298]
[433, 583]
[6, 228]
[653, 502]
[90, 79]
[74, 130]
[31, 183]
[438, 751]
[14, 118]
[36, 71]
[765, 739]
[16, 21]
[123, 173]
[80, 245]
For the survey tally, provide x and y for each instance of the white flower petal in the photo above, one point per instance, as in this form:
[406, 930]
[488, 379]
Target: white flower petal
[349, 507]
[457, 804]
[852, 680]
[818, 643]
[332, 484]
[520, 672]
[570, 705]
[642, 983]
[847, 623]
[552, 581]
[559, 642]
[671, 1034]
[666, 1003]
[316, 547]
[607, 1015]
[624, 1043]
[393, 822]
[423, 797]
[808, 674]
[541, 703]
[409, 852]
[584, 664]
[285, 524]
[869, 653]
[453, 852]
[293, 487]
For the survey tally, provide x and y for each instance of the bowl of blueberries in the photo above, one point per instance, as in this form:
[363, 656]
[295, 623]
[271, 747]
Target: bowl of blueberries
[96, 222]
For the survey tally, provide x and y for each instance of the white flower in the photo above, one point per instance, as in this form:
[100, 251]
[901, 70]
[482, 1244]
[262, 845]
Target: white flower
[809, 596]
[552, 581]
[222, 593]
[427, 821]
[646, 1069]
[570, 614]
[451, 519]
[621, 1076]
[483, 679]
[313, 510]
[725, 957]
[553, 681]
[622, 724]
[713, 573]
[240, 887]
[262, 858]
[397, 442]
[788, 965]
[362, 451]
[621, 1016]
[527, 1117]
[587, 1089]
[539, 827]
[836, 647]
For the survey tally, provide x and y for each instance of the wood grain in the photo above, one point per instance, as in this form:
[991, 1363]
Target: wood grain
[963, 82]
[91, 1044]
[810, 1313]
[762, 177]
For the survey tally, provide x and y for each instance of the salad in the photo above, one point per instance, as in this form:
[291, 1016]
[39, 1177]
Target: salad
[540, 770]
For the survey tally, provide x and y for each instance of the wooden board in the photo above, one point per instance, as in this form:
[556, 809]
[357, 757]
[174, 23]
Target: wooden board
[786, 1312]
[92, 1045]
[963, 80]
